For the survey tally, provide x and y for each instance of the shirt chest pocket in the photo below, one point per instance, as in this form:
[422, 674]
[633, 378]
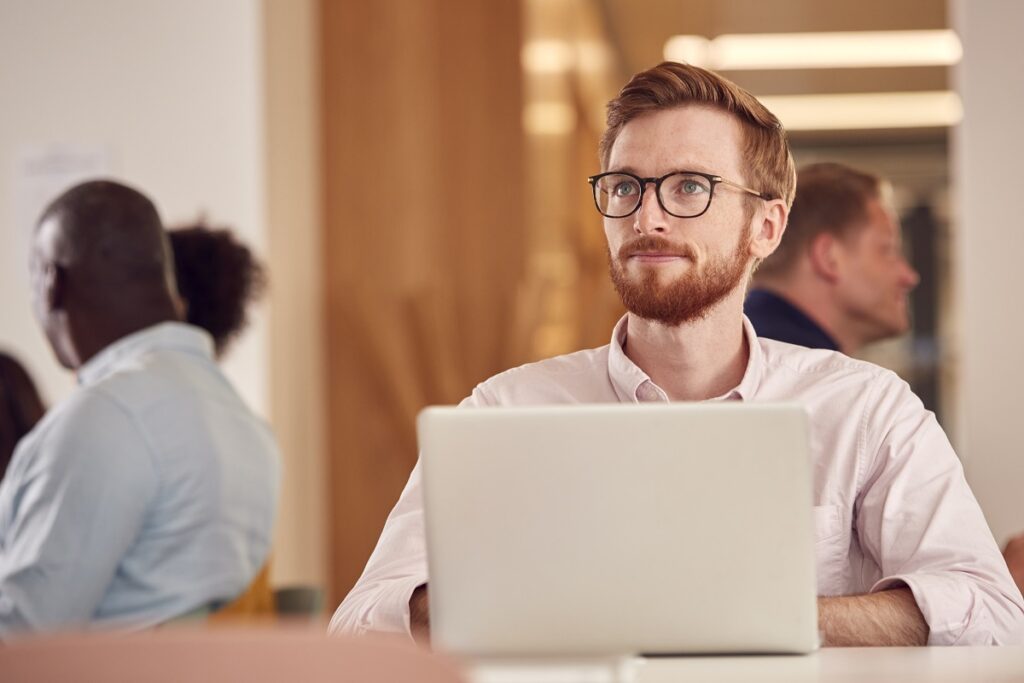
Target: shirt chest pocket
[831, 546]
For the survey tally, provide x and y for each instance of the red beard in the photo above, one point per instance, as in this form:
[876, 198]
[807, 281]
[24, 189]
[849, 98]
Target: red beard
[688, 298]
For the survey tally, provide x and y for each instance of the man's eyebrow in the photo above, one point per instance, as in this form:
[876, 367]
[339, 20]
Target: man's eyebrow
[692, 168]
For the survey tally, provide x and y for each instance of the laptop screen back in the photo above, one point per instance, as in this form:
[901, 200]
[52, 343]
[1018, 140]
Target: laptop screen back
[608, 529]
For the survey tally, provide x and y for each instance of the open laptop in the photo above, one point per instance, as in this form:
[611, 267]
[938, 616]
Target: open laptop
[619, 529]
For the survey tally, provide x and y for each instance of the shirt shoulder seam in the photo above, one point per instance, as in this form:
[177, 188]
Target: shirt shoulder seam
[839, 363]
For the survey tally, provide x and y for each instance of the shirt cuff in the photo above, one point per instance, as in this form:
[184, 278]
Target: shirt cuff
[381, 610]
[949, 607]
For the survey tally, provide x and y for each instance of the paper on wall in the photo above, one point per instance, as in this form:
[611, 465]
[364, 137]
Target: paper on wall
[42, 172]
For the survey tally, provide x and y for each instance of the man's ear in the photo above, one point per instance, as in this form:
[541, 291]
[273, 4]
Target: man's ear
[54, 286]
[823, 252]
[768, 228]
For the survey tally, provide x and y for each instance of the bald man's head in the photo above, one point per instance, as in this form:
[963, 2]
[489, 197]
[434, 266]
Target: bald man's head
[101, 268]
[109, 230]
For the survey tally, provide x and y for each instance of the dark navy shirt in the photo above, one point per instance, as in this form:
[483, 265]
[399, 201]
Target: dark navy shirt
[775, 318]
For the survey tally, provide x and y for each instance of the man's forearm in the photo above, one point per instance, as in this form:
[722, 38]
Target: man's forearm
[889, 617]
[419, 614]
[886, 618]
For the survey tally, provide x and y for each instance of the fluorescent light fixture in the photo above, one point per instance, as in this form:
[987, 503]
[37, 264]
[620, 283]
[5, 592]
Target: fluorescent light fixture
[857, 111]
[549, 118]
[547, 56]
[841, 49]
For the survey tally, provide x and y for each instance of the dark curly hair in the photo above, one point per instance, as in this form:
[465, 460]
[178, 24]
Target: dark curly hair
[20, 407]
[218, 277]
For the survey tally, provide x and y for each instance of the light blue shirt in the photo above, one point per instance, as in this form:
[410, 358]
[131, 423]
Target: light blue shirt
[150, 492]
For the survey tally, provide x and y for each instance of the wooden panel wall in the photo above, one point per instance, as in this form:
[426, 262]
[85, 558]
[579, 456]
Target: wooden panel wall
[423, 249]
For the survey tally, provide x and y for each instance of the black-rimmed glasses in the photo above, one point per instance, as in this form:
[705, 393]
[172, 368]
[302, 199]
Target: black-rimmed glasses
[683, 194]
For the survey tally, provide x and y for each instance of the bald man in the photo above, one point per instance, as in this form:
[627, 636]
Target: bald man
[150, 492]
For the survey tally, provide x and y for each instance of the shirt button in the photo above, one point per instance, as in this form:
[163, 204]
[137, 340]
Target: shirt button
[647, 393]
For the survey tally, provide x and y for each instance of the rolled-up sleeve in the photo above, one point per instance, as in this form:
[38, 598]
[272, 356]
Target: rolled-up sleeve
[380, 599]
[919, 520]
[379, 602]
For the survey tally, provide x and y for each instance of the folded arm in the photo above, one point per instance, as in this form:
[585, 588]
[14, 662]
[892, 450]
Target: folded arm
[918, 519]
[889, 617]
[380, 599]
[391, 594]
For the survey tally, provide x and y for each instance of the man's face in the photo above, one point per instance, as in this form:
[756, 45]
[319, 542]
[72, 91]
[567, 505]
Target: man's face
[42, 262]
[37, 264]
[674, 270]
[875, 278]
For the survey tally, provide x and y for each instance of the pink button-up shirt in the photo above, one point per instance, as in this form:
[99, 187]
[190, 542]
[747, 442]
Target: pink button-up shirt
[891, 504]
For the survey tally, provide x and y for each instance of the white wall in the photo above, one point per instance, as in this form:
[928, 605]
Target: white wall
[988, 186]
[208, 106]
[174, 91]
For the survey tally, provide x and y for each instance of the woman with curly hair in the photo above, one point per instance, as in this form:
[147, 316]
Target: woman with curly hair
[218, 278]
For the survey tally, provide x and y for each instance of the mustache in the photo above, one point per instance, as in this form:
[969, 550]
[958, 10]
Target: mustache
[652, 244]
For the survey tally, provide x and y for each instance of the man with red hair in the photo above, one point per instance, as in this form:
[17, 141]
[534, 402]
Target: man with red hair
[696, 188]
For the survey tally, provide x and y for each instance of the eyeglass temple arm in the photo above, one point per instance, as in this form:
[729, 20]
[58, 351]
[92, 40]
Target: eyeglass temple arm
[760, 195]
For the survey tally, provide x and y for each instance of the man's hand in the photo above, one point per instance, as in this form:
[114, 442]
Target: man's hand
[889, 617]
[1013, 553]
[419, 615]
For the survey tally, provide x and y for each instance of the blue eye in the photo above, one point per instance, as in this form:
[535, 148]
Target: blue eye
[624, 189]
[689, 185]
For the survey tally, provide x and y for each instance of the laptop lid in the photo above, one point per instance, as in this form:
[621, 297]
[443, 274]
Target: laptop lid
[619, 528]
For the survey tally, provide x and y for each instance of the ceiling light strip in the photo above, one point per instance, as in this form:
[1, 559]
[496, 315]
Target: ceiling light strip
[863, 111]
[841, 49]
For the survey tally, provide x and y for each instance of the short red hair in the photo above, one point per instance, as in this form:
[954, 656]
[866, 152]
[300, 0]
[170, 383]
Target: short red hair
[671, 84]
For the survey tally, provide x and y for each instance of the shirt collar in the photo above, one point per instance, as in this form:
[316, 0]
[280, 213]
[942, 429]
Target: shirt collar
[747, 387]
[162, 336]
[633, 385]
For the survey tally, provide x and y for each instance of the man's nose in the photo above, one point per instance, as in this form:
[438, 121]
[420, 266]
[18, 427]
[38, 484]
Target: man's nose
[909, 277]
[650, 217]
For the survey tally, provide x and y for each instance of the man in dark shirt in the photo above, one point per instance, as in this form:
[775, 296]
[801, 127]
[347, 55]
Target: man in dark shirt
[839, 279]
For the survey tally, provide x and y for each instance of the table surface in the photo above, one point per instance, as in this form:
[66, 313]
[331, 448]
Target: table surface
[832, 665]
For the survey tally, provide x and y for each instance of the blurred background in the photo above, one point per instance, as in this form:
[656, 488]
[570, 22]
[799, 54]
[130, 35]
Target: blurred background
[413, 174]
